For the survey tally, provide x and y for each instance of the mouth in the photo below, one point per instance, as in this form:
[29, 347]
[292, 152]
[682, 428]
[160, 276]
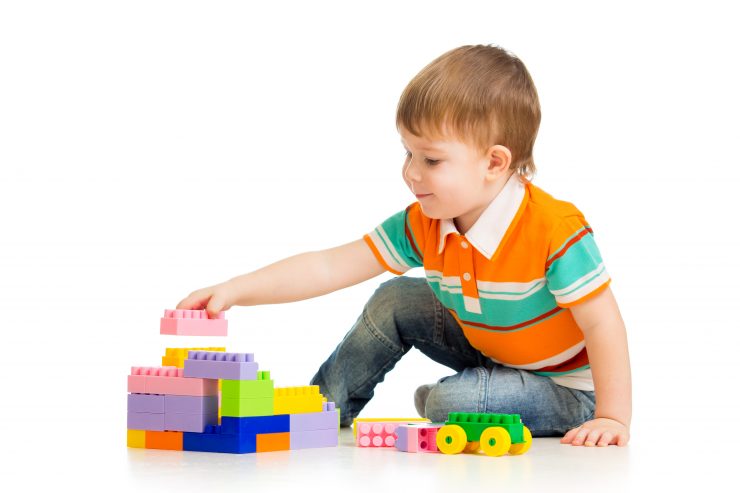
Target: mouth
[422, 195]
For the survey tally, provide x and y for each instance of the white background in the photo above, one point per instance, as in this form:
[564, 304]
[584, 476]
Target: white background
[151, 148]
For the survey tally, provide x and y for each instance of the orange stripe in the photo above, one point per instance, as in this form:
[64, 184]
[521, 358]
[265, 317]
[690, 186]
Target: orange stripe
[378, 255]
[526, 346]
[511, 327]
[409, 235]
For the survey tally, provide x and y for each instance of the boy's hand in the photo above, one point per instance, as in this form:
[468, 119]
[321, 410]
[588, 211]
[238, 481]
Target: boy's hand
[214, 299]
[599, 431]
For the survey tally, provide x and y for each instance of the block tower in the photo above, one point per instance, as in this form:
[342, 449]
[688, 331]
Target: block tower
[210, 400]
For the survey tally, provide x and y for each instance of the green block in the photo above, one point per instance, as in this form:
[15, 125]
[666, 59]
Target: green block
[239, 408]
[475, 423]
[249, 389]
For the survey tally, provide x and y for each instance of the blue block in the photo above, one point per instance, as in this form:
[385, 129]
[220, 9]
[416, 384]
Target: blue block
[253, 425]
[217, 442]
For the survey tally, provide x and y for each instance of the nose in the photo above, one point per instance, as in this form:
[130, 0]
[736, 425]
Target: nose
[410, 171]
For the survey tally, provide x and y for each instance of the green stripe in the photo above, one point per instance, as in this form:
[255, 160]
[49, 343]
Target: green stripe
[413, 238]
[535, 287]
[390, 252]
[500, 313]
[580, 260]
[583, 283]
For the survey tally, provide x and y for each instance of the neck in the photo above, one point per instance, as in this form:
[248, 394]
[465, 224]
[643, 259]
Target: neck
[466, 221]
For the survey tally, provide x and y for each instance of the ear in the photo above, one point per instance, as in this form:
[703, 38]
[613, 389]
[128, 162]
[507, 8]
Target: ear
[499, 160]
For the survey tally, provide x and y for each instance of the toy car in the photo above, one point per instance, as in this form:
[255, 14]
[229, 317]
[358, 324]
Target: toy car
[494, 434]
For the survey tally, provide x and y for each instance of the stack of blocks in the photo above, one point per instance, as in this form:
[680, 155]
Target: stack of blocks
[178, 406]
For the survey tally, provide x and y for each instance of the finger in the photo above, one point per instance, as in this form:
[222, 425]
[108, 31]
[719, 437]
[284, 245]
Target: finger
[581, 436]
[606, 439]
[197, 300]
[622, 439]
[593, 438]
[215, 306]
[568, 437]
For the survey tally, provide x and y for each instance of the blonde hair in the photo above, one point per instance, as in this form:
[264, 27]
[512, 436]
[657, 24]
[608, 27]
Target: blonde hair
[483, 94]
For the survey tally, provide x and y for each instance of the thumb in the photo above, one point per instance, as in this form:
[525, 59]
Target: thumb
[215, 306]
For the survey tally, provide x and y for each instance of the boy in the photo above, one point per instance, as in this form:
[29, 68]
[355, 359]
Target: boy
[516, 298]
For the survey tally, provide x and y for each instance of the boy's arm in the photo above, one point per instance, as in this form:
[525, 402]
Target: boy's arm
[299, 277]
[606, 343]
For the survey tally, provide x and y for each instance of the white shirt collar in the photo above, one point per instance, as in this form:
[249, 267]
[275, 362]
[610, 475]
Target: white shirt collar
[488, 231]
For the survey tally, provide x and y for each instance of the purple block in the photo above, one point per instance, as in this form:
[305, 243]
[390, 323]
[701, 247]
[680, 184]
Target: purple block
[227, 370]
[189, 422]
[327, 420]
[146, 403]
[221, 356]
[190, 404]
[145, 421]
[314, 439]
[402, 438]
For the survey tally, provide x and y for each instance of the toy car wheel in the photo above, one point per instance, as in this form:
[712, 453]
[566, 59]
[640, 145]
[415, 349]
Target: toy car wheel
[451, 439]
[520, 448]
[495, 441]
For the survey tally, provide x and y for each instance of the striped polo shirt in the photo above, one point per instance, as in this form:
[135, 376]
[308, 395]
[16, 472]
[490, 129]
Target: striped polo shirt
[510, 280]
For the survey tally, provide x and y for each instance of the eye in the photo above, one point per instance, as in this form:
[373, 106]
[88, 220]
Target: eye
[430, 162]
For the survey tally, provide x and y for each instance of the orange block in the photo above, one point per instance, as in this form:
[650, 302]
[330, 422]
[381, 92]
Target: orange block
[270, 442]
[164, 440]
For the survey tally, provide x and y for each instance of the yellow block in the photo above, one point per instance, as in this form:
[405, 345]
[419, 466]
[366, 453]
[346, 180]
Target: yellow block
[136, 438]
[296, 400]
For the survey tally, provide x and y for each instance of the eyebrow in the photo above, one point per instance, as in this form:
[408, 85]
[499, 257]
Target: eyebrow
[426, 148]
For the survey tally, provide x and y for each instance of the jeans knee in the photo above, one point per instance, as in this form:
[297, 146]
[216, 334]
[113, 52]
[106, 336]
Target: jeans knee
[400, 305]
[458, 393]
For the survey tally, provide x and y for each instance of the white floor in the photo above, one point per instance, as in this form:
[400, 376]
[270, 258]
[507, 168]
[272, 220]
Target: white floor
[100, 461]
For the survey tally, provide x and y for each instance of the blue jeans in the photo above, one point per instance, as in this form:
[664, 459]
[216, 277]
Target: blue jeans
[404, 313]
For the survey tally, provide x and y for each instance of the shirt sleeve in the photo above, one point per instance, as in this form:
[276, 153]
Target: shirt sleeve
[575, 270]
[394, 245]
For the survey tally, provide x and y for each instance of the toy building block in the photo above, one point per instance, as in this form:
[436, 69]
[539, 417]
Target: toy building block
[192, 323]
[313, 439]
[190, 404]
[145, 421]
[176, 356]
[189, 422]
[376, 434]
[272, 442]
[294, 400]
[168, 380]
[328, 419]
[215, 364]
[164, 440]
[146, 403]
[249, 389]
[495, 434]
[417, 437]
[136, 438]
[212, 440]
[385, 420]
[255, 425]
[263, 406]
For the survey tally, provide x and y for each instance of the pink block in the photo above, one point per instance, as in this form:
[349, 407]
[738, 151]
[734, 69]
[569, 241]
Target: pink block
[192, 323]
[168, 380]
[376, 434]
[417, 437]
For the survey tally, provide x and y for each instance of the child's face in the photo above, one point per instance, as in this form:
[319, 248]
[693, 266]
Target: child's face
[448, 177]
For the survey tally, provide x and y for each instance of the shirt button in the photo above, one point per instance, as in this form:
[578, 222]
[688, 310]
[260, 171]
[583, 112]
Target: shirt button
[464, 244]
[466, 276]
